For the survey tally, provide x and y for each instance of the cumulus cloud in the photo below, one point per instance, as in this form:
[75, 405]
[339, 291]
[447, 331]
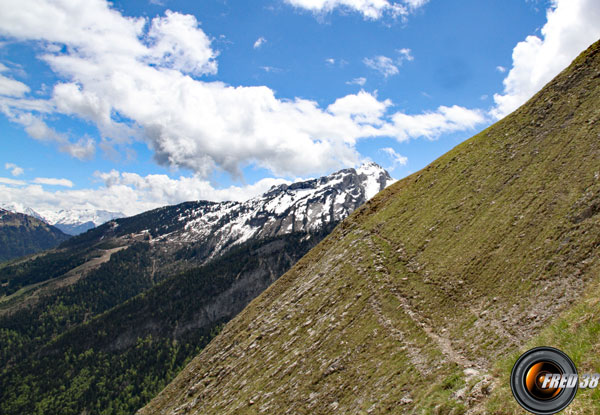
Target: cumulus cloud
[363, 108]
[572, 25]
[14, 169]
[433, 124]
[53, 182]
[125, 192]
[176, 43]
[370, 9]
[397, 159]
[140, 79]
[259, 42]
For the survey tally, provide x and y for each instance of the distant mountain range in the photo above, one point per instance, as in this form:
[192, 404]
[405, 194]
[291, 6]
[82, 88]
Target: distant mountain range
[131, 301]
[22, 234]
[71, 222]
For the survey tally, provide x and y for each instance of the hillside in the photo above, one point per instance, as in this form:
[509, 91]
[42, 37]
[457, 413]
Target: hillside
[104, 322]
[419, 301]
[21, 235]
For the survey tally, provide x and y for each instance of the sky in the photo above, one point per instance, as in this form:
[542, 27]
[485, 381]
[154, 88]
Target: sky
[129, 105]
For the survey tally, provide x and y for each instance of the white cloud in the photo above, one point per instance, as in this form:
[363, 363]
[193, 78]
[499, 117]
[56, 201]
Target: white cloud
[271, 69]
[370, 9]
[500, 69]
[405, 54]
[362, 108]
[397, 159]
[415, 4]
[125, 192]
[12, 88]
[572, 25]
[14, 169]
[176, 43]
[12, 182]
[53, 182]
[433, 124]
[357, 81]
[388, 66]
[330, 61]
[136, 80]
[83, 149]
[259, 42]
[382, 64]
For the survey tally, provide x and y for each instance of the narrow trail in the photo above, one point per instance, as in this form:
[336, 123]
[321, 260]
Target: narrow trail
[443, 343]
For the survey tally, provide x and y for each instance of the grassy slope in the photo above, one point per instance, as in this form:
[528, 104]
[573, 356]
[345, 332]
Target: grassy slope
[458, 266]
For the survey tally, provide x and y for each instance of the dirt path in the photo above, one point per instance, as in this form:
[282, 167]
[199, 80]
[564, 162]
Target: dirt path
[442, 342]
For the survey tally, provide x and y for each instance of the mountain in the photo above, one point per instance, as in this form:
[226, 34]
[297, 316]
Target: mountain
[300, 207]
[22, 234]
[421, 301]
[103, 323]
[77, 221]
[70, 221]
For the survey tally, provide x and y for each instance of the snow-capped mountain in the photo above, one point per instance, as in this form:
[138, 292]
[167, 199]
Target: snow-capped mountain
[19, 208]
[299, 207]
[76, 221]
[211, 228]
[71, 221]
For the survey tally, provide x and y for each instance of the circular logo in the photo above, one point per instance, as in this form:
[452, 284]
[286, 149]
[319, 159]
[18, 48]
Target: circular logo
[544, 380]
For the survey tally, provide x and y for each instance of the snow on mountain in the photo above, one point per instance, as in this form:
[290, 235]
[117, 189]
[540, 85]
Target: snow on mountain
[71, 221]
[306, 207]
[76, 221]
[299, 207]
[19, 208]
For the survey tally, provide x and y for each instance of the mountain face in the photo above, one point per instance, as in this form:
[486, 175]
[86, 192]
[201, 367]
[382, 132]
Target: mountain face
[299, 207]
[21, 235]
[75, 222]
[71, 222]
[132, 301]
[422, 299]
[211, 228]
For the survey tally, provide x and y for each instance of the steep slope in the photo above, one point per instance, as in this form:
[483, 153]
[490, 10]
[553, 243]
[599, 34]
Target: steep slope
[130, 302]
[21, 235]
[408, 305]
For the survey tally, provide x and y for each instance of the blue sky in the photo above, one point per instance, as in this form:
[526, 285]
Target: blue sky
[130, 105]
